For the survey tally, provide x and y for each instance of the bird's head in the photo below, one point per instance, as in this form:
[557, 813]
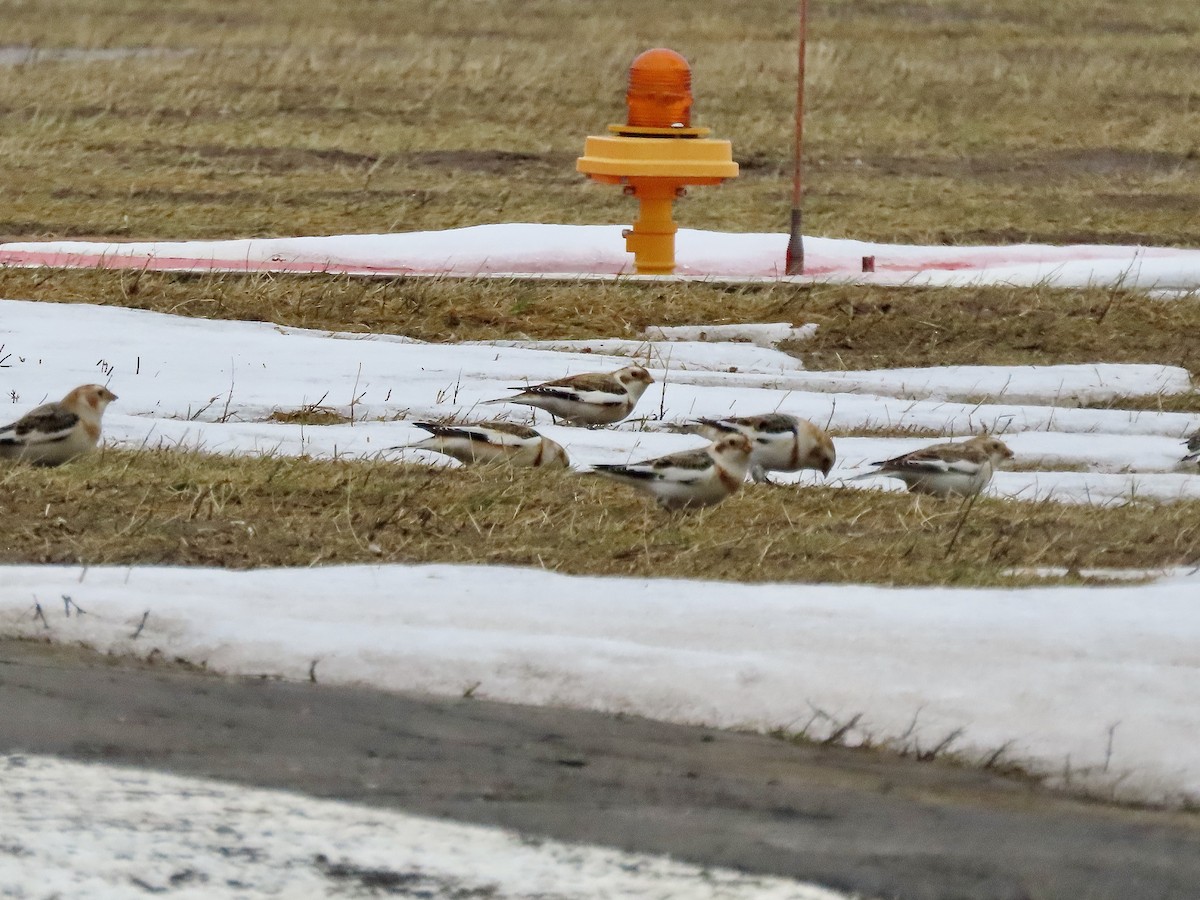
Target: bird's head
[635, 378]
[994, 448]
[734, 447]
[89, 399]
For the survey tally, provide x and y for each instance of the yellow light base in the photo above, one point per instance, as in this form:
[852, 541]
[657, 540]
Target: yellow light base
[655, 165]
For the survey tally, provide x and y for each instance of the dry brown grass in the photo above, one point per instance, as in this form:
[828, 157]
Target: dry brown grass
[860, 327]
[311, 414]
[936, 120]
[188, 509]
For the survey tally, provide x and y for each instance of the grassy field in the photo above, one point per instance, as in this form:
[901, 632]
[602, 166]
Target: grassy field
[191, 509]
[945, 121]
[951, 121]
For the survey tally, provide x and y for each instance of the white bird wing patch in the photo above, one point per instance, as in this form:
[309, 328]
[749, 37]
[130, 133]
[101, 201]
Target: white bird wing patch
[493, 436]
[681, 468]
[576, 395]
[961, 466]
[45, 425]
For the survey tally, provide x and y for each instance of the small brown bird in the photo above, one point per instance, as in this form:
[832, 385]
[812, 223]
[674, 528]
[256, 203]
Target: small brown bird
[592, 398]
[781, 443]
[690, 479]
[951, 469]
[493, 442]
[54, 433]
[1193, 445]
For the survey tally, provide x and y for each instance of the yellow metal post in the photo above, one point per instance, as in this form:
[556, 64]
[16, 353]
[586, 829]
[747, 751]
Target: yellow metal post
[652, 238]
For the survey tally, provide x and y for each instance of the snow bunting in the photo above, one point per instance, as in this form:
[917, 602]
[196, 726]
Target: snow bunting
[593, 398]
[493, 442]
[56, 432]
[1193, 445]
[781, 443]
[961, 469]
[692, 478]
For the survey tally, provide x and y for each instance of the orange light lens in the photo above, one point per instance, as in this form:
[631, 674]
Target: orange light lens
[660, 90]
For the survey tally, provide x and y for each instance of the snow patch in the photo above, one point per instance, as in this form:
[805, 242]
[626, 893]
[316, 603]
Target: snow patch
[766, 335]
[673, 356]
[105, 833]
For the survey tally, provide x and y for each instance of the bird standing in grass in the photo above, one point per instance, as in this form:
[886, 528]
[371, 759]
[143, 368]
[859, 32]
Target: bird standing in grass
[953, 469]
[690, 479]
[593, 398]
[54, 433]
[780, 443]
[1193, 445]
[493, 442]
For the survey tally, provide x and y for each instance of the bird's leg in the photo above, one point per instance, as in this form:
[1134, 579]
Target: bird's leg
[759, 475]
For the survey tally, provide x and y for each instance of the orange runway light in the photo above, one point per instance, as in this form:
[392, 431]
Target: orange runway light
[656, 154]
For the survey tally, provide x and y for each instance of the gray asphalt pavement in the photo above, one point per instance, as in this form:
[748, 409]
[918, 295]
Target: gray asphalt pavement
[886, 827]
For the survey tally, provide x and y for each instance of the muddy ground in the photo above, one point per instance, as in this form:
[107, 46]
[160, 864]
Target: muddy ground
[873, 823]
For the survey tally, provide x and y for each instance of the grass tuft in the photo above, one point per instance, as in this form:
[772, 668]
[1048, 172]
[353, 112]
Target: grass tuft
[313, 414]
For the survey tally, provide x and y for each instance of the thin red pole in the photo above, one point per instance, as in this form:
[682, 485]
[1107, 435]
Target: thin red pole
[795, 248]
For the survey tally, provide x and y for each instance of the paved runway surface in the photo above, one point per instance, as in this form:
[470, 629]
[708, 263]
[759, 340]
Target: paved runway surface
[886, 827]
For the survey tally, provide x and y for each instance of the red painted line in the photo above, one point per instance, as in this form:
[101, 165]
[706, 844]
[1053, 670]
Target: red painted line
[946, 265]
[986, 258]
[183, 263]
[59, 260]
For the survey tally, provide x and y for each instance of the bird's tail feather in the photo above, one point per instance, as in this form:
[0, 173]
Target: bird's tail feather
[862, 475]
